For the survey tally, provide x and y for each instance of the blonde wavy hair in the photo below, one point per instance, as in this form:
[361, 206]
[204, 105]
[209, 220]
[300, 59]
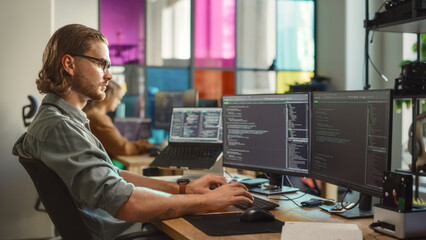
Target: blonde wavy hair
[69, 39]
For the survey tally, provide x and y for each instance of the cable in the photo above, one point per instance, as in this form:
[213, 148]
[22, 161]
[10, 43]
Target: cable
[377, 70]
[348, 208]
[288, 199]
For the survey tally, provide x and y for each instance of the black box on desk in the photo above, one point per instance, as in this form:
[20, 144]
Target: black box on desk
[398, 191]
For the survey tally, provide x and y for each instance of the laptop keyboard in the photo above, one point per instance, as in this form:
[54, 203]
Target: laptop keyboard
[258, 202]
[191, 152]
[192, 156]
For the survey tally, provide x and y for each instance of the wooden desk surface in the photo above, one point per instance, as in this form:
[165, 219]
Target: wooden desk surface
[135, 163]
[288, 211]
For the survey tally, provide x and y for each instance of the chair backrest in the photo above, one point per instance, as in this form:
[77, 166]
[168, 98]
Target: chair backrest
[57, 200]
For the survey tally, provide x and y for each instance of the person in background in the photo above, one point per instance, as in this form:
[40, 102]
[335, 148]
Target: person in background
[104, 129]
[76, 69]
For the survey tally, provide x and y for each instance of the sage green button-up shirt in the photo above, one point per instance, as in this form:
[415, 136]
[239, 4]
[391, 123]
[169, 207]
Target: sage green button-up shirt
[60, 137]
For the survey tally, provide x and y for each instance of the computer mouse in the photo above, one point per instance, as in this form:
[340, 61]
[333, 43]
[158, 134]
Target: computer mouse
[255, 214]
[154, 152]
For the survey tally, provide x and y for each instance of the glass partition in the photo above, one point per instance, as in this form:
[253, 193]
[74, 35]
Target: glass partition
[214, 33]
[295, 35]
[124, 27]
[256, 82]
[255, 33]
[169, 28]
[213, 84]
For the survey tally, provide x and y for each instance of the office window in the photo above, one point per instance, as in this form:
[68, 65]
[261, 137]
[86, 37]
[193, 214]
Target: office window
[213, 84]
[287, 78]
[295, 35]
[216, 46]
[214, 33]
[124, 27]
[169, 28]
[255, 33]
[256, 82]
[164, 79]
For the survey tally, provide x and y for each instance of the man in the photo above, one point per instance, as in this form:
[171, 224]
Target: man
[76, 69]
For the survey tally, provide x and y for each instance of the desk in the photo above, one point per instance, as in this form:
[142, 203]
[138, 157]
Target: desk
[288, 211]
[136, 164]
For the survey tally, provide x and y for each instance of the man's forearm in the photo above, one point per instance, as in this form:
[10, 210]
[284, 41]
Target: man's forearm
[145, 206]
[142, 181]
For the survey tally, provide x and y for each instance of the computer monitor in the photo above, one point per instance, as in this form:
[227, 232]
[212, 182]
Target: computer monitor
[351, 141]
[166, 100]
[267, 133]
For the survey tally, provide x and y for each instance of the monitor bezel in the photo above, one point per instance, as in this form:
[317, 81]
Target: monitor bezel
[347, 184]
[266, 169]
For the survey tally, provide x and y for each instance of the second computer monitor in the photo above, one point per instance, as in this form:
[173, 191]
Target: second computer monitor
[351, 141]
[267, 133]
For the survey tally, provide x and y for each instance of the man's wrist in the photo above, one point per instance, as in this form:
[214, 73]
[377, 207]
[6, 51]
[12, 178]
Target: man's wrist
[182, 182]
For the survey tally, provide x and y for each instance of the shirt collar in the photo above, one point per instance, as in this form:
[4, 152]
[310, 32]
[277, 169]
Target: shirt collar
[72, 111]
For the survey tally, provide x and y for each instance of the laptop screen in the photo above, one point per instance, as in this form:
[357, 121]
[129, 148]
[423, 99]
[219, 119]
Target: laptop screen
[196, 125]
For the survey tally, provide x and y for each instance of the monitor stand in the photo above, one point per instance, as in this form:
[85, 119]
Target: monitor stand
[275, 186]
[363, 210]
[216, 169]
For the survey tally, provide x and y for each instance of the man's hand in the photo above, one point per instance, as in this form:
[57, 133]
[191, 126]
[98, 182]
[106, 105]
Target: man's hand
[226, 195]
[202, 185]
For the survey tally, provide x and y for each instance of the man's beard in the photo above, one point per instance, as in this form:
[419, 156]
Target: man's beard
[85, 87]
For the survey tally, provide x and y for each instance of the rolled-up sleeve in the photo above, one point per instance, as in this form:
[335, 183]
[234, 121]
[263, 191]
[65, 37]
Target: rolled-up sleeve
[80, 160]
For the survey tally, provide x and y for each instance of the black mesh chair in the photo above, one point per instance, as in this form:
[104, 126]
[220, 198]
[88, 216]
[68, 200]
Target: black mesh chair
[62, 210]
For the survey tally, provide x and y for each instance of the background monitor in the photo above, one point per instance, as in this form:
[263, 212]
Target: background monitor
[351, 141]
[166, 100]
[267, 133]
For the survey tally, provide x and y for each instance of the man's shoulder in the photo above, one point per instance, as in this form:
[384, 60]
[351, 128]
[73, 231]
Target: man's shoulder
[48, 118]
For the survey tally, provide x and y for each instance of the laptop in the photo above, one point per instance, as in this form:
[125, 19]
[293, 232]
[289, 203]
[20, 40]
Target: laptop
[195, 139]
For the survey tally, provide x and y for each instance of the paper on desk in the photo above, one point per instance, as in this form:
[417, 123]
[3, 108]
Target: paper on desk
[320, 231]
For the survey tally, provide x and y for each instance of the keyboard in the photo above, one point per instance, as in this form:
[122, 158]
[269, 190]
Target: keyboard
[258, 202]
[191, 152]
[189, 156]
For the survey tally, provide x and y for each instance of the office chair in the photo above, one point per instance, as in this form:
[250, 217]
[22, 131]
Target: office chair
[60, 206]
[32, 109]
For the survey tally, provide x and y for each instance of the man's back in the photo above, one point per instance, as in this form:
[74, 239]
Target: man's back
[59, 137]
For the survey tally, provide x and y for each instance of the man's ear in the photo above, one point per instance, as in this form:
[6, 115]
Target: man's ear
[68, 64]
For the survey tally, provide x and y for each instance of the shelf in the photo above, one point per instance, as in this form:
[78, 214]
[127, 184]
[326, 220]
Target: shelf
[418, 96]
[408, 171]
[409, 17]
[410, 25]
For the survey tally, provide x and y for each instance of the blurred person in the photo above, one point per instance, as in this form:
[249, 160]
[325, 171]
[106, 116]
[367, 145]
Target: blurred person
[104, 129]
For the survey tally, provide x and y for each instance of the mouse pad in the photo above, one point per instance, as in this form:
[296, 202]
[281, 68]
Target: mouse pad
[230, 224]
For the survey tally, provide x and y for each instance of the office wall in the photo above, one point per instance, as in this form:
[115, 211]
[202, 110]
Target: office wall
[25, 27]
[76, 11]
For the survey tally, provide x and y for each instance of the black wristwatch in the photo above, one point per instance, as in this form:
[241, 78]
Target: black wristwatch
[182, 184]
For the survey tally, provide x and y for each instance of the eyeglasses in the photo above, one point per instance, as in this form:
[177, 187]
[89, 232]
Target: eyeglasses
[104, 64]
